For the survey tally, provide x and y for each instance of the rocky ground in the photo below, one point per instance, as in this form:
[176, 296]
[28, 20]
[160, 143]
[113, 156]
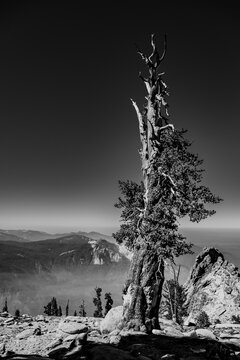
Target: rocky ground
[213, 286]
[90, 338]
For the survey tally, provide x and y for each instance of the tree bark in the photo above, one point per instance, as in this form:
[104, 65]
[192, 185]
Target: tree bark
[142, 292]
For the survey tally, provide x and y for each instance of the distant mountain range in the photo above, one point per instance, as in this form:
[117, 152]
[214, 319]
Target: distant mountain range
[31, 250]
[34, 235]
[67, 252]
[67, 266]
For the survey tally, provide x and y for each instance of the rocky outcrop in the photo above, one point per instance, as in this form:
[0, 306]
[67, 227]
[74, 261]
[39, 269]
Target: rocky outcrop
[213, 287]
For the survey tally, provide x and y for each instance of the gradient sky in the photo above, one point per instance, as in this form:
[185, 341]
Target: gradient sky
[68, 129]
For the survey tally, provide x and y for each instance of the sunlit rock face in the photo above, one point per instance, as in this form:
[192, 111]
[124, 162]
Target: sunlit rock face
[105, 253]
[214, 287]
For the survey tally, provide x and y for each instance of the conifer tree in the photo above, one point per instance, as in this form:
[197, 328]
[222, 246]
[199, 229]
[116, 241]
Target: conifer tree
[98, 303]
[5, 307]
[51, 309]
[150, 211]
[48, 309]
[67, 308]
[109, 302]
[82, 310]
[54, 307]
[59, 311]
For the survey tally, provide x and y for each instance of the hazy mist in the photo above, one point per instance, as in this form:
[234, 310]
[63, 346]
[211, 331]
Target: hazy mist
[29, 293]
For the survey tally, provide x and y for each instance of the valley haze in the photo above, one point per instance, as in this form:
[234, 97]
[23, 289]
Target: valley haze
[36, 266]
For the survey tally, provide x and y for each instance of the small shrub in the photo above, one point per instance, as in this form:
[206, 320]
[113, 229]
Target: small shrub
[236, 319]
[17, 313]
[203, 300]
[202, 320]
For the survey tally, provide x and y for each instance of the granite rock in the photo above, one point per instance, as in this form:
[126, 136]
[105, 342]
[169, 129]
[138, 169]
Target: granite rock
[214, 287]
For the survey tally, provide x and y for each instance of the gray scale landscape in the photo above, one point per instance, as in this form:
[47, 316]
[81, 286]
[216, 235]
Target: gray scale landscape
[42, 266]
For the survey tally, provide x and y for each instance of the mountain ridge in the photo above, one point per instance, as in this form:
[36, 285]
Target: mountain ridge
[199, 238]
[68, 252]
[36, 235]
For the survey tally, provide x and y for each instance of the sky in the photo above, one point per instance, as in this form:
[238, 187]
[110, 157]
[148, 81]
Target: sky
[68, 130]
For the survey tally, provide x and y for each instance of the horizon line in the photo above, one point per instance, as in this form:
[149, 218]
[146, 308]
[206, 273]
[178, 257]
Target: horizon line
[97, 229]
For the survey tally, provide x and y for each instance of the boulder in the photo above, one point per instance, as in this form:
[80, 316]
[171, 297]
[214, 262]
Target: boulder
[10, 320]
[172, 331]
[78, 338]
[112, 320]
[54, 343]
[191, 334]
[4, 314]
[213, 286]
[71, 337]
[72, 327]
[206, 333]
[94, 333]
[114, 339]
[27, 317]
[28, 332]
[40, 318]
[132, 332]
[157, 332]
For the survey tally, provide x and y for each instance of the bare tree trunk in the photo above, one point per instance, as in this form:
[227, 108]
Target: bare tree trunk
[143, 288]
[171, 302]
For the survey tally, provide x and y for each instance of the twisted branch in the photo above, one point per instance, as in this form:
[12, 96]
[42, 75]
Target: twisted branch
[149, 59]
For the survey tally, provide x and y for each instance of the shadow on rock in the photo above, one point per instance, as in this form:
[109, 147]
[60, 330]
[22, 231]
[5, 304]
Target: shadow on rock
[146, 347]
[157, 347]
